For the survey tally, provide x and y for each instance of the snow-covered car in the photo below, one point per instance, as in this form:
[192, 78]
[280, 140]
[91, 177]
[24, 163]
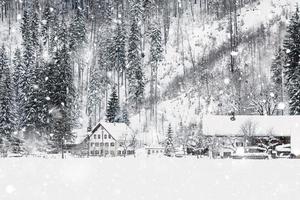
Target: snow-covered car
[282, 151]
[250, 153]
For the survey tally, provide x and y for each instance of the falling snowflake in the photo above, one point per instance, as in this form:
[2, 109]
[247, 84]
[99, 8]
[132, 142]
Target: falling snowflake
[10, 189]
[35, 87]
[19, 17]
[226, 81]
[234, 53]
[44, 21]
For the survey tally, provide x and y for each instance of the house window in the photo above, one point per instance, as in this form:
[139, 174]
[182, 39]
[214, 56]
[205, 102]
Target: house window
[101, 152]
[96, 152]
[101, 144]
[92, 152]
[95, 136]
[99, 136]
[105, 136]
[112, 144]
[106, 152]
[112, 153]
[92, 144]
[97, 144]
[106, 144]
[109, 136]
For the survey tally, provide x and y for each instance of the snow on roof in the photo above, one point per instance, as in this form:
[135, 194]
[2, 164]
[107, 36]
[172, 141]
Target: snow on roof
[264, 125]
[117, 130]
[80, 134]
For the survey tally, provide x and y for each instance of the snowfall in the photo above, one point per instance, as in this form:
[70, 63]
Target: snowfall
[148, 178]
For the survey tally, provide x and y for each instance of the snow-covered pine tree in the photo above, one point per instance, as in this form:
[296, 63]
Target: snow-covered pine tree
[156, 54]
[277, 71]
[118, 56]
[148, 8]
[113, 109]
[34, 29]
[125, 117]
[292, 67]
[135, 72]
[7, 118]
[169, 143]
[77, 31]
[29, 29]
[63, 94]
[49, 27]
[139, 87]
[96, 91]
[18, 74]
[77, 37]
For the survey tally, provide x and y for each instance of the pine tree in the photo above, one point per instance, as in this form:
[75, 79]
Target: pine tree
[96, 92]
[6, 99]
[118, 56]
[49, 27]
[135, 72]
[18, 75]
[125, 117]
[63, 93]
[277, 71]
[169, 143]
[113, 109]
[292, 67]
[29, 59]
[77, 31]
[156, 52]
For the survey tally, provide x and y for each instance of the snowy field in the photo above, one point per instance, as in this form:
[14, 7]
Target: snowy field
[149, 178]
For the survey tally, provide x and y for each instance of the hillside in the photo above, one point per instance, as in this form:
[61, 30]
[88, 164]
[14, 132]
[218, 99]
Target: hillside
[184, 97]
[216, 58]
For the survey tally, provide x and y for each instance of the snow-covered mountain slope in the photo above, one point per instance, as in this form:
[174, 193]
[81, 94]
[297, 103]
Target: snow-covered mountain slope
[205, 35]
[184, 101]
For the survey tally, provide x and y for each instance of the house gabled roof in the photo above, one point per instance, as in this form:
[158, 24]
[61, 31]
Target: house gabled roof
[221, 125]
[117, 130]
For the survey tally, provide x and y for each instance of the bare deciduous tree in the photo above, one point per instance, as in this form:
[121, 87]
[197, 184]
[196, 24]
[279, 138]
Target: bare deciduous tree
[248, 130]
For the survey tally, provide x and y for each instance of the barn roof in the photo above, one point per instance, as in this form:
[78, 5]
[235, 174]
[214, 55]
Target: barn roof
[220, 125]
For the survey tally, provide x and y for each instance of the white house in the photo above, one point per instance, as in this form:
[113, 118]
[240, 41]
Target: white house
[110, 139]
[285, 127]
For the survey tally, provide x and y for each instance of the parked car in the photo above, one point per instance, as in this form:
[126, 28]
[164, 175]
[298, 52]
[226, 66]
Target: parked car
[282, 151]
[250, 153]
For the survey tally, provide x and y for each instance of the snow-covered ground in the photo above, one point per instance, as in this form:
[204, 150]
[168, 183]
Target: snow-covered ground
[149, 178]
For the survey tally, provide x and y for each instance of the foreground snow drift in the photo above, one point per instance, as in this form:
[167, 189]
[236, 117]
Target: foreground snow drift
[119, 178]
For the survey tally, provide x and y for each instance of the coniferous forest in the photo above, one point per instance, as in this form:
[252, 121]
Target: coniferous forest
[65, 65]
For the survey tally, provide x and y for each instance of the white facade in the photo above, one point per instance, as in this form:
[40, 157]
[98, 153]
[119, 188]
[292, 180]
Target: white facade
[222, 125]
[295, 144]
[286, 126]
[110, 139]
